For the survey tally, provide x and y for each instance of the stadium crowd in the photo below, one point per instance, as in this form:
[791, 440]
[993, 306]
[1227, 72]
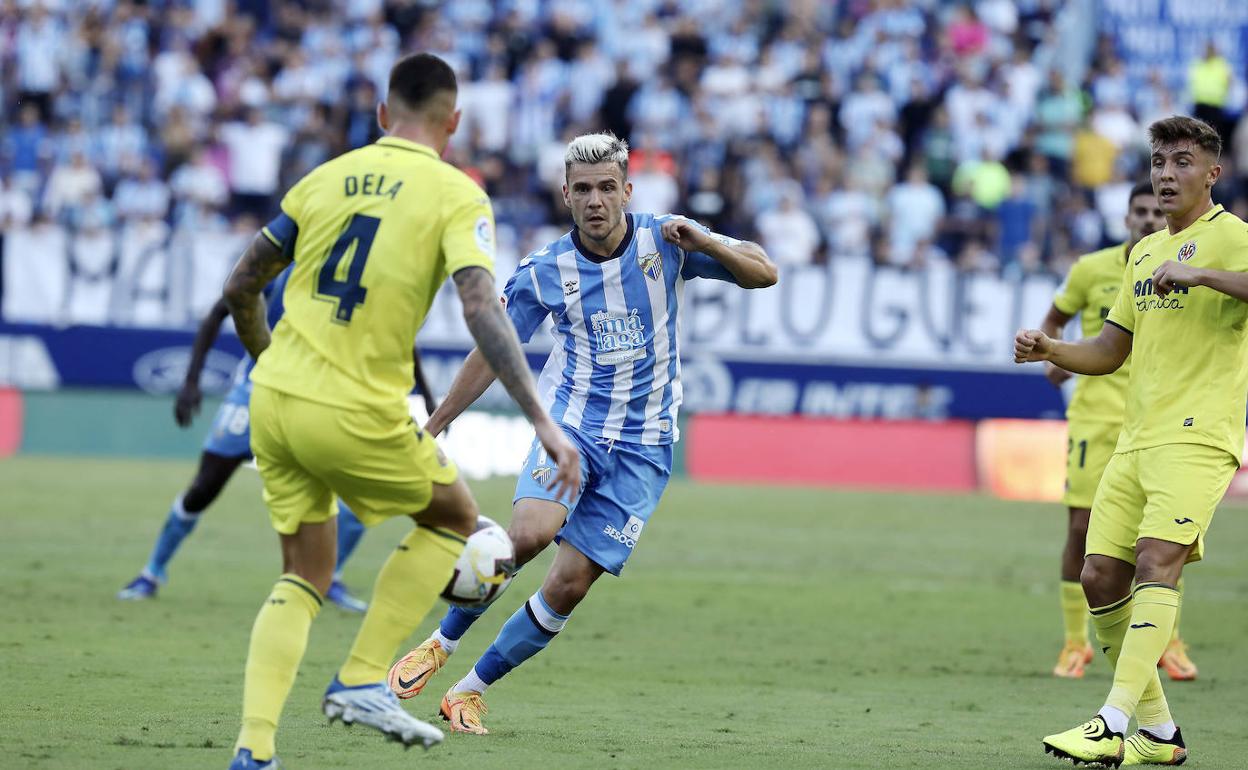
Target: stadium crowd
[903, 130]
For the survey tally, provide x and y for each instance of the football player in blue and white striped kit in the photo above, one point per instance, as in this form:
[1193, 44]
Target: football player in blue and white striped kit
[613, 286]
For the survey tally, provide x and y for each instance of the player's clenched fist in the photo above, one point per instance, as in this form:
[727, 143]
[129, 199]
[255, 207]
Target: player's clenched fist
[1032, 345]
[684, 234]
[1172, 274]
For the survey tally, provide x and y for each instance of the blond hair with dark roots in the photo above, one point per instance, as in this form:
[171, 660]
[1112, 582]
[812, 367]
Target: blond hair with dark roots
[592, 149]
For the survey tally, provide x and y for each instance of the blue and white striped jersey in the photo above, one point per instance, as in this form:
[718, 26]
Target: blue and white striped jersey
[615, 370]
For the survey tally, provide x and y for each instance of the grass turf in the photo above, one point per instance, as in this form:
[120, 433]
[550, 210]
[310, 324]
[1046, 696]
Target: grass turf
[788, 628]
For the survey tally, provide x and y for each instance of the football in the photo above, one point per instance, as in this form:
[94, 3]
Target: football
[484, 568]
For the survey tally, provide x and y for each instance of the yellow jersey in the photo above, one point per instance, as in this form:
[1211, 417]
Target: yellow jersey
[1189, 377]
[373, 233]
[1089, 292]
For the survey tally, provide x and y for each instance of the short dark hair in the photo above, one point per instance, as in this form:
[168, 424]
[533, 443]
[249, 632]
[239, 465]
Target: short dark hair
[417, 78]
[1180, 128]
[1143, 188]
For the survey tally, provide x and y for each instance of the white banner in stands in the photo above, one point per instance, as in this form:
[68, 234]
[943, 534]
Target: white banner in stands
[847, 312]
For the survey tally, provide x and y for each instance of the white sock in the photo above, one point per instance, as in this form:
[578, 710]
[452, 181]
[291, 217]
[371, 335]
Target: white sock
[1163, 731]
[448, 645]
[1114, 717]
[470, 683]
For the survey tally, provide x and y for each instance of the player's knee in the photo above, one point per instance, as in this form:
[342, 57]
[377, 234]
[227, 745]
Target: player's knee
[1093, 577]
[528, 540]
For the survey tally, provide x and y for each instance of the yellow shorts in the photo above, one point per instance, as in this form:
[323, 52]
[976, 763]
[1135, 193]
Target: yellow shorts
[1089, 447]
[1166, 492]
[380, 465]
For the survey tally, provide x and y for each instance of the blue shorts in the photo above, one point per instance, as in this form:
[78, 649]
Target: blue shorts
[621, 484]
[231, 428]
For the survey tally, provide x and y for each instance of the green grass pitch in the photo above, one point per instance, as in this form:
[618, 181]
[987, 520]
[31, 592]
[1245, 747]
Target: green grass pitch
[754, 627]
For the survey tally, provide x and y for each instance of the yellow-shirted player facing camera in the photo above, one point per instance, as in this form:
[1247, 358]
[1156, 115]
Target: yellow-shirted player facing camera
[372, 235]
[1182, 315]
[1094, 419]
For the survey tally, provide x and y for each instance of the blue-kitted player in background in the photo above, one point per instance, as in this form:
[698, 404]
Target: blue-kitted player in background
[227, 446]
[612, 286]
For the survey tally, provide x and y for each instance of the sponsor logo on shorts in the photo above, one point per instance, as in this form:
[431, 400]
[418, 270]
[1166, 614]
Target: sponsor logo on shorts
[1143, 625]
[542, 474]
[630, 533]
[1184, 520]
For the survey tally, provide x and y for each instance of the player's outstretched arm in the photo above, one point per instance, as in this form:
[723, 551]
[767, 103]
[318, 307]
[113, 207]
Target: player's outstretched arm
[189, 397]
[1052, 325]
[1171, 273]
[499, 346]
[260, 264]
[474, 377]
[1102, 354]
[748, 263]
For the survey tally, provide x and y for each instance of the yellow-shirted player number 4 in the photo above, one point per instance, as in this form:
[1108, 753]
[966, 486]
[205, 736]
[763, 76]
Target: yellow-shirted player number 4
[372, 235]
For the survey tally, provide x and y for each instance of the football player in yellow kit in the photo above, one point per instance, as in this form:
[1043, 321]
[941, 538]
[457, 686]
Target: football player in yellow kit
[372, 234]
[1182, 315]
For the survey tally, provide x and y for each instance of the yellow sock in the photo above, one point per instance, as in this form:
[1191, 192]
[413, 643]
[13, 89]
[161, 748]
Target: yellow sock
[406, 588]
[1074, 612]
[1178, 613]
[278, 640]
[1111, 624]
[1154, 606]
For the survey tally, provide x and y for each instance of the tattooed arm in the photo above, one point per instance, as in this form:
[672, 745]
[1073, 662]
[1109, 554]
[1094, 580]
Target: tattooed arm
[260, 264]
[499, 346]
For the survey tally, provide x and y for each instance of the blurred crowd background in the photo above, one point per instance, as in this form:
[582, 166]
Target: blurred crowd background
[998, 135]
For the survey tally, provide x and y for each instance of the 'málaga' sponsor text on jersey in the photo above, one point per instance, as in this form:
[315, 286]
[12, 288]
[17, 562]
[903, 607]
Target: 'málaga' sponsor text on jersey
[615, 370]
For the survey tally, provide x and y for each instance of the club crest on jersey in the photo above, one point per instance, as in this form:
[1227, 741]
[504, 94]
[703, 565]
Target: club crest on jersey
[542, 474]
[652, 265]
[1187, 251]
[619, 339]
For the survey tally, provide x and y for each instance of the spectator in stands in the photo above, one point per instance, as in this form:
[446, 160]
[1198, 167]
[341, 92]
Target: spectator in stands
[16, 208]
[70, 186]
[142, 196]
[121, 145]
[199, 188]
[1058, 113]
[255, 153]
[27, 148]
[985, 179]
[913, 210]
[788, 232]
[1015, 223]
[39, 37]
[1209, 86]
[1092, 157]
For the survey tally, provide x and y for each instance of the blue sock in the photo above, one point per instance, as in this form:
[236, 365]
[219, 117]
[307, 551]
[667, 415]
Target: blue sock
[178, 525]
[525, 634]
[457, 620]
[350, 530]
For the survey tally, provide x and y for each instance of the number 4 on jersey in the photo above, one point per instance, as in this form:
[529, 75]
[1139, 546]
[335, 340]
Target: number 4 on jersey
[354, 242]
